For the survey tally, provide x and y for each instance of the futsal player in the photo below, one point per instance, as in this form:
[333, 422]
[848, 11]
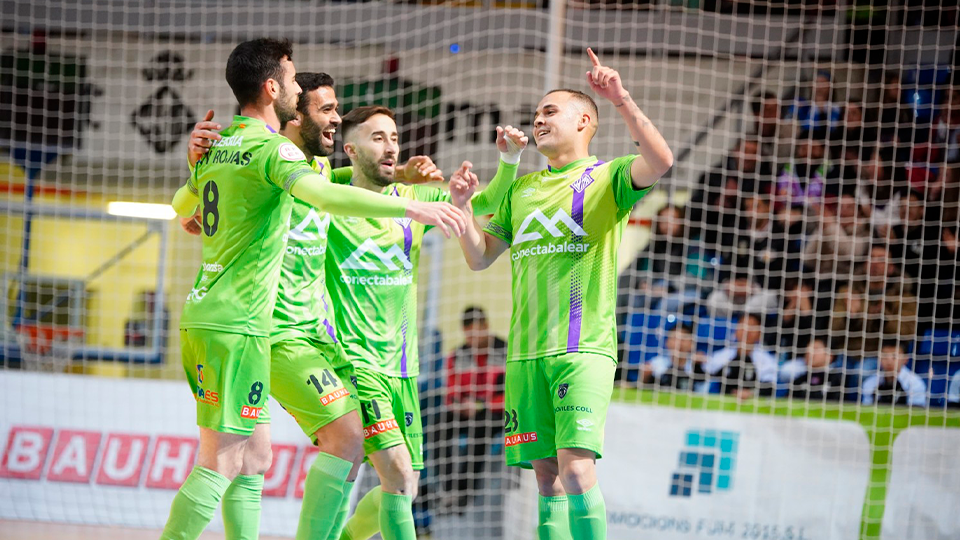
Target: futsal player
[242, 187]
[563, 226]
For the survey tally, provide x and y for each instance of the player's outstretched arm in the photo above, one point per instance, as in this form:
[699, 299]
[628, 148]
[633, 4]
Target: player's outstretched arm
[480, 249]
[510, 142]
[655, 156]
[351, 201]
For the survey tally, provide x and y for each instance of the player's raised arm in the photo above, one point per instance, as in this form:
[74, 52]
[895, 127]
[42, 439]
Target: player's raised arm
[480, 249]
[202, 138]
[655, 156]
[510, 143]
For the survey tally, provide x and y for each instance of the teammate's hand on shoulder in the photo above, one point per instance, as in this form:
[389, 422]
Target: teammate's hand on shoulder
[419, 170]
[202, 137]
[605, 81]
[511, 142]
[445, 216]
[192, 224]
[463, 184]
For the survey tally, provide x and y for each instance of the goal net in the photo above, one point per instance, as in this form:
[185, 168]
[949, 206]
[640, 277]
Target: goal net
[788, 358]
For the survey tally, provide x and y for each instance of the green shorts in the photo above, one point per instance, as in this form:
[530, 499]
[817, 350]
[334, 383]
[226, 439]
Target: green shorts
[556, 402]
[230, 378]
[306, 384]
[390, 410]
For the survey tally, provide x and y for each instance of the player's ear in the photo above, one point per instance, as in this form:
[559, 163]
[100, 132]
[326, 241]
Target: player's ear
[350, 150]
[297, 120]
[273, 88]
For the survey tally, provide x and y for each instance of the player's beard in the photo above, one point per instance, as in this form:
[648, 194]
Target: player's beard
[285, 107]
[311, 133]
[371, 169]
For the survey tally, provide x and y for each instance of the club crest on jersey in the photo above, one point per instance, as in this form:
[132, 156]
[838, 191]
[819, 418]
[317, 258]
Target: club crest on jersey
[408, 418]
[562, 390]
[290, 152]
[583, 182]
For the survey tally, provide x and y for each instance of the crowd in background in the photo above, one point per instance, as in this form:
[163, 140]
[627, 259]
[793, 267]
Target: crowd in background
[828, 235]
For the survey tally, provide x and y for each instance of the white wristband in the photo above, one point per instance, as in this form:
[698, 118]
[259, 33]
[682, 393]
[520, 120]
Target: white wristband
[510, 158]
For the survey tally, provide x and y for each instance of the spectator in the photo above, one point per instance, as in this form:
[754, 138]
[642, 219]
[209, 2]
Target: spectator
[474, 404]
[675, 371]
[953, 391]
[841, 240]
[880, 188]
[853, 134]
[860, 319]
[668, 269]
[737, 295]
[946, 288]
[804, 180]
[890, 297]
[765, 246]
[947, 127]
[895, 383]
[712, 209]
[944, 193]
[915, 239]
[773, 132]
[820, 112]
[814, 377]
[746, 369]
[797, 316]
[895, 115]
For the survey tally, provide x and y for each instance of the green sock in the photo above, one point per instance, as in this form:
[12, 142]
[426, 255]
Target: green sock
[588, 515]
[554, 521]
[396, 517]
[322, 495]
[342, 514]
[241, 508]
[194, 505]
[365, 521]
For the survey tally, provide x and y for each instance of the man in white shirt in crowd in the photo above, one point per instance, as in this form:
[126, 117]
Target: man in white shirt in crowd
[746, 368]
[895, 383]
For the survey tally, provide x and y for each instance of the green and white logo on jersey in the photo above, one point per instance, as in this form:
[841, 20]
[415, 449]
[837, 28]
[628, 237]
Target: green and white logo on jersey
[366, 255]
[549, 224]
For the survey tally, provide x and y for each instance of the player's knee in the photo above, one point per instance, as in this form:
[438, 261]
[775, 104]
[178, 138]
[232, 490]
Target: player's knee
[402, 481]
[257, 459]
[578, 476]
[548, 481]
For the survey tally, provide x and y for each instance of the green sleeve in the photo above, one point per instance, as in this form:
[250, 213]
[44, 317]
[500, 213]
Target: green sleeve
[185, 201]
[622, 183]
[488, 200]
[500, 225]
[346, 200]
[342, 175]
[283, 163]
[430, 194]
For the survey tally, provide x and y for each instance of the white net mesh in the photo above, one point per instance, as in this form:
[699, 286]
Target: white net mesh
[807, 230]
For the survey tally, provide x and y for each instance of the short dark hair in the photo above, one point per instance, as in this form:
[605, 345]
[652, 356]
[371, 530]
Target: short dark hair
[685, 327]
[357, 116]
[309, 82]
[584, 99]
[756, 316]
[472, 315]
[757, 104]
[253, 63]
[894, 343]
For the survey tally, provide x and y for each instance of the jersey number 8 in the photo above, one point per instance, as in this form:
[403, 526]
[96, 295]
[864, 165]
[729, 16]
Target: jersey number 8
[211, 217]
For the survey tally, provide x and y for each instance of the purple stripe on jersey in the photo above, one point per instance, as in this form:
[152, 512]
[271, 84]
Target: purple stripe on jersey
[271, 129]
[576, 294]
[326, 322]
[407, 247]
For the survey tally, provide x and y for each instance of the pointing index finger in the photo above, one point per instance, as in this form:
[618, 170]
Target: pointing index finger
[593, 57]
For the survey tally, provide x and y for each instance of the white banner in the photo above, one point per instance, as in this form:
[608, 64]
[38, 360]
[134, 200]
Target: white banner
[923, 494]
[103, 451]
[672, 474]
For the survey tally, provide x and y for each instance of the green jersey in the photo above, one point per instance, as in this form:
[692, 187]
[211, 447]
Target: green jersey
[243, 183]
[302, 308]
[372, 267]
[564, 228]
